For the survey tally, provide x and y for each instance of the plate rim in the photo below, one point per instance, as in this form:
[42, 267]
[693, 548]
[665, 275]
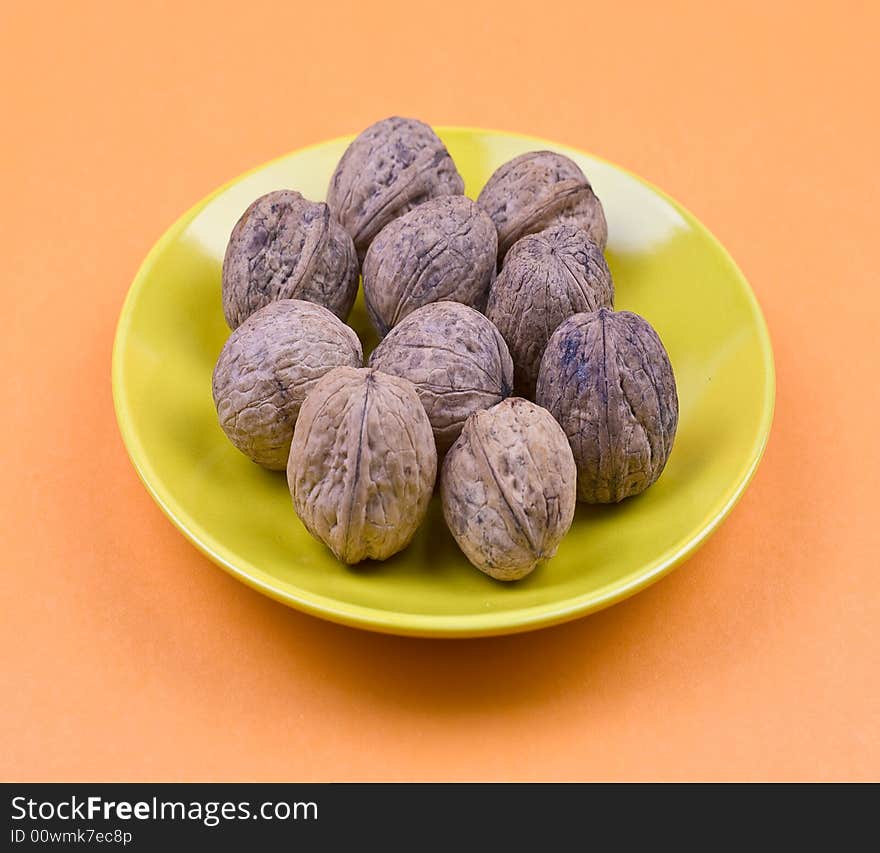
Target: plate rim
[444, 625]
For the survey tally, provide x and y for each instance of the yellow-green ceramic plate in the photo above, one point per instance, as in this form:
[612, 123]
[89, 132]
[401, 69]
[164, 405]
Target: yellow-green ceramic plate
[666, 266]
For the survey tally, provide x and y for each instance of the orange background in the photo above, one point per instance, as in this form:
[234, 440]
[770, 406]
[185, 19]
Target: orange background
[128, 655]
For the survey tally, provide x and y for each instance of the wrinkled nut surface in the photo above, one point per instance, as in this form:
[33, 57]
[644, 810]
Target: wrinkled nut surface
[362, 463]
[607, 379]
[268, 366]
[390, 168]
[546, 277]
[508, 488]
[456, 359]
[287, 247]
[444, 249]
[539, 189]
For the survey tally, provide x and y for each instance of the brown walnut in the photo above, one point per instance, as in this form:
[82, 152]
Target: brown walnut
[442, 250]
[607, 379]
[390, 168]
[539, 189]
[287, 247]
[362, 463]
[546, 277]
[268, 366]
[508, 488]
[456, 359]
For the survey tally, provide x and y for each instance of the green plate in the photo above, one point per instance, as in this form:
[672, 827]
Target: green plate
[666, 266]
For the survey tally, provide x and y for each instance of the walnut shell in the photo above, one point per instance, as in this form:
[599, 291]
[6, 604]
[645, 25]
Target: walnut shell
[508, 488]
[539, 189]
[546, 277]
[456, 359]
[390, 168]
[442, 250]
[607, 379]
[268, 366]
[287, 247]
[362, 463]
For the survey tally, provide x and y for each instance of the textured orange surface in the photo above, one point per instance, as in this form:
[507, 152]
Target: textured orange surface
[127, 655]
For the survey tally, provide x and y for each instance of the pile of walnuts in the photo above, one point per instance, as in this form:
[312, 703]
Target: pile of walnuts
[474, 302]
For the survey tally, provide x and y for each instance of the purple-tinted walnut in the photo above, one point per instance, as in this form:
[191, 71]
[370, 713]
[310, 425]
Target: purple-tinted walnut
[607, 379]
[539, 189]
[287, 247]
[442, 250]
[456, 359]
[268, 366]
[546, 277]
[362, 463]
[390, 168]
[508, 488]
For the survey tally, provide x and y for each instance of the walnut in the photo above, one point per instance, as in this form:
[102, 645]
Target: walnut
[362, 463]
[538, 189]
[287, 247]
[268, 365]
[508, 488]
[606, 378]
[388, 169]
[443, 249]
[456, 359]
[546, 277]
